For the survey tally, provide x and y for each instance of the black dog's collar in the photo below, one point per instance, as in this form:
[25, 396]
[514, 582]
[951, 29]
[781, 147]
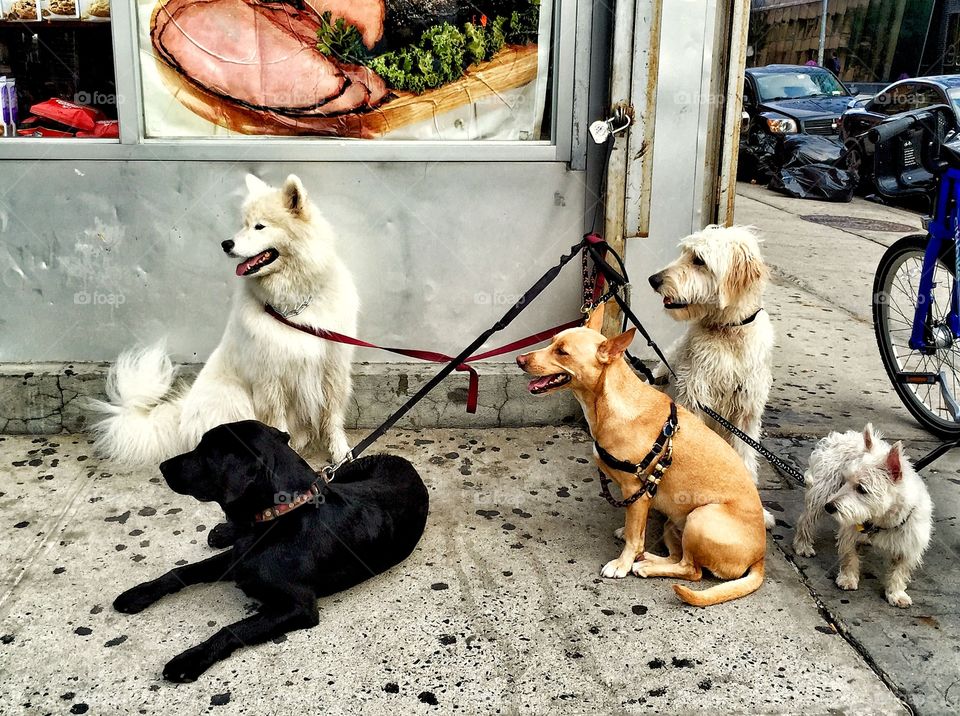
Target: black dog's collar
[297, 499]
[749, 319]
[663, 445]
[869, 528]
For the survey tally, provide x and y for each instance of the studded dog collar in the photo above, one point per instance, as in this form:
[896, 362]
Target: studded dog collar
[662, 449]
[298, 499]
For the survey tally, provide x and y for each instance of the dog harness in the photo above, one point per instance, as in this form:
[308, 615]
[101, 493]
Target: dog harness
[869, 528]
[662, 449]
[298, 500]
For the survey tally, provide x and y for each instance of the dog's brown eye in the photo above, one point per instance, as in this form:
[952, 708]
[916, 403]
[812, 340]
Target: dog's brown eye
[259, 227]
[561, 352]
[861, 489]
[697, 261]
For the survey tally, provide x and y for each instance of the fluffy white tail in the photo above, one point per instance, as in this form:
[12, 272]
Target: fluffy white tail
[140, 427]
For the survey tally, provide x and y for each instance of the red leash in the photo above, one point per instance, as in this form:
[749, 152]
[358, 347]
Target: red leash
[434, 357]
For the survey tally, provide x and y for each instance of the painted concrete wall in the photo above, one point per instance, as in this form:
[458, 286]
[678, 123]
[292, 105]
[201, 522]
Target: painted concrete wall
[96, 256]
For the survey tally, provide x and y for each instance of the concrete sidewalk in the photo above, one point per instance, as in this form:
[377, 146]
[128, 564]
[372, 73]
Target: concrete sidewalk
[501, 609]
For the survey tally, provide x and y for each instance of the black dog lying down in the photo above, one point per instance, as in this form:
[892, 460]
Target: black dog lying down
[369, 519]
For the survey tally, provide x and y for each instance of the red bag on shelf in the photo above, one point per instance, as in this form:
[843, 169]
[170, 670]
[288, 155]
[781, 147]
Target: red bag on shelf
[32, 127]
[69, 113]
[105, 128]
[43, 132]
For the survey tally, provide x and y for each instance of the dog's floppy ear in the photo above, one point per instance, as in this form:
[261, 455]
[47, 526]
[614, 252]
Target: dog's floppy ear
[237, 483]
[613, 348]
[868, 437]
[746, 273]
[255, 185]
[895, 462]
[294, 195]
[595, 319]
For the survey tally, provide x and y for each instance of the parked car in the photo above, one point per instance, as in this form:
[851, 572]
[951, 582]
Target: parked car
[896, 169]
[780, 100]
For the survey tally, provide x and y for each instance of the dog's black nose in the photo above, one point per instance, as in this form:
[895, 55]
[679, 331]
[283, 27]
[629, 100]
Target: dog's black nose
[830, 508]
[656, 281]
[521, 360]
[227, 246]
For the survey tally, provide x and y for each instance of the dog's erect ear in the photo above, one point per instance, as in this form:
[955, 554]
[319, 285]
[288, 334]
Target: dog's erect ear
[294, 195]
[255, 185]
[746, 273]
[613, 348]
[595, 319]
[895, 462]
[868, 437]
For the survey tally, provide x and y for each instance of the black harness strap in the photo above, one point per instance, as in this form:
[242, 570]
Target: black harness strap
[662, 448]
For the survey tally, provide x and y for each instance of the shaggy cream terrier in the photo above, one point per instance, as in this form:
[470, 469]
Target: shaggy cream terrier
[723, 360]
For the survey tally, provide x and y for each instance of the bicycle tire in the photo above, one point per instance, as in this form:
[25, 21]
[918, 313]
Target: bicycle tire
[891, 316]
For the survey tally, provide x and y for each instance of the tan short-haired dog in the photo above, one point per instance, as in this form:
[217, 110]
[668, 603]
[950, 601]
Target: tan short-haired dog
[713, 510]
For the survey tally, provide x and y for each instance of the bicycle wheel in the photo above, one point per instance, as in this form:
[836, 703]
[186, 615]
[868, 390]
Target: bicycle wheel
[895, 296]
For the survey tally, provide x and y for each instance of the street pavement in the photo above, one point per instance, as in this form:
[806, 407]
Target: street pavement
[501, 609]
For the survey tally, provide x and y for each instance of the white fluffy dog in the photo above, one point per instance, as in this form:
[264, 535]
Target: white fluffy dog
[261, 369]
[877, 498]
[723, 360]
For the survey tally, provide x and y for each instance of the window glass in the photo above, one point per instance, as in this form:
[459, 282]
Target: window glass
[954, 95]
[797, 84]
[56, 69]
[904, 98]
[364, 69]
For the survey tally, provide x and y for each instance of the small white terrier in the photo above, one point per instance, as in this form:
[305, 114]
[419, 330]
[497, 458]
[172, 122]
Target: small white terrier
[877, 498]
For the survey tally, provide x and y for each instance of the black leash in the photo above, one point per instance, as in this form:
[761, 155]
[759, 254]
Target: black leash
[616, 280]
[515, 310]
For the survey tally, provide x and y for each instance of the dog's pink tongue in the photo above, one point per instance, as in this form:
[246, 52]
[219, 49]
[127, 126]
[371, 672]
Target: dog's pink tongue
[245, 266]
[538, 383]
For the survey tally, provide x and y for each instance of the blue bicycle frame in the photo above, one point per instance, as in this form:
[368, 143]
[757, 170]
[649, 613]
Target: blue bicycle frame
[943, 228]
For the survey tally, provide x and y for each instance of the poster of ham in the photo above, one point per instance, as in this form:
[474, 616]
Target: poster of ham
[447, 70]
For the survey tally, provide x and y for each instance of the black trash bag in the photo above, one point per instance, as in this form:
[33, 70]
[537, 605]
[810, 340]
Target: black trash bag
[798, 150]
[809, 169]
[758, 158]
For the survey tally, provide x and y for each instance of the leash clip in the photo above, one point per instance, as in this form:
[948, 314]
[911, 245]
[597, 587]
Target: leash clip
[328, 472]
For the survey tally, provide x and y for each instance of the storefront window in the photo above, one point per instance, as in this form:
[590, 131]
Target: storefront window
[57, 69]
[448, 70]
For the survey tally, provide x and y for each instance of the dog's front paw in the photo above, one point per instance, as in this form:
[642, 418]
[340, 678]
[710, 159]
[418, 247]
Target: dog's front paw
[615, 569]
[223, 535]
[804, 549]
[848, 582]
[186, 667]
[639, 569]
[134, 600]
[899, 599]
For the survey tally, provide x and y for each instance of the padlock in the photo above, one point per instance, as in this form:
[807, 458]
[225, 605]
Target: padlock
[600, 131]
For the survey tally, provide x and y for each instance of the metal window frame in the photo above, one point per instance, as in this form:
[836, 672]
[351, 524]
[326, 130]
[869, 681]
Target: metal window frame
[134, 146]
